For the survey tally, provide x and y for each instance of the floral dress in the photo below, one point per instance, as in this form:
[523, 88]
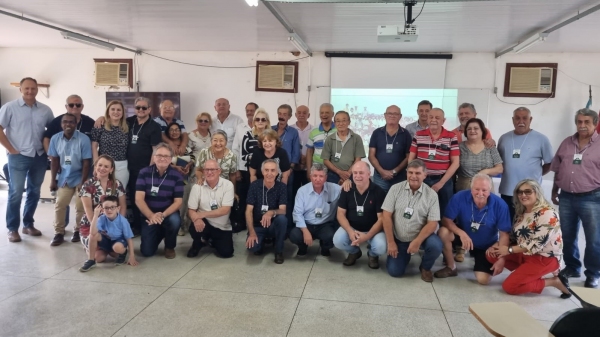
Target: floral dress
[539, 233]
[93, 189]
[228, 164]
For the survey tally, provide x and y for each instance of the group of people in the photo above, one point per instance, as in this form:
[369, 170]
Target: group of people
[431, 189]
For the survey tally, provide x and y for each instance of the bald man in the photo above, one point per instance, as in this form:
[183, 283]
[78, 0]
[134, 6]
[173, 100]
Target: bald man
[225, 120]
[303, 127]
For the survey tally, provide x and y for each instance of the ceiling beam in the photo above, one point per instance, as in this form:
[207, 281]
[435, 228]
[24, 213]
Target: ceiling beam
[366, 1]
[292, 34]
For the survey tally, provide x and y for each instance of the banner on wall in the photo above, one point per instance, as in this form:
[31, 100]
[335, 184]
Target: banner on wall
[128, 99]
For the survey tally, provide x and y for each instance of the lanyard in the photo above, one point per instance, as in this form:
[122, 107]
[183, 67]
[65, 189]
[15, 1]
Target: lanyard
[159, 177]
[473, 215]
[584, 148]
[266, 202]
[395, 135]
[343, 143]
[513, 140]
[140, 130]
[364, 202]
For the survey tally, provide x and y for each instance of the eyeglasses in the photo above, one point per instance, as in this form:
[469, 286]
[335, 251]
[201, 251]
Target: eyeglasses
[162, 156]
[202, 121]
[526, 192]
[211, 169]
[260, 119]
[141, 108]
[72, 105]
[109, 208]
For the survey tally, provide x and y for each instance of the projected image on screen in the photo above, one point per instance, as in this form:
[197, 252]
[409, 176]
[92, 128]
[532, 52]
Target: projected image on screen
[367, 106]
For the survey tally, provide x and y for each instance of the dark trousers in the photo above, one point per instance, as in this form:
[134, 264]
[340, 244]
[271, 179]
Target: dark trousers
[290, 202]
[511, 206]
[276, 230]
[324, 233]
[444, 194]
[152, 235]
[300, 179]
[135, 211]
[242, 188]
[222, 240]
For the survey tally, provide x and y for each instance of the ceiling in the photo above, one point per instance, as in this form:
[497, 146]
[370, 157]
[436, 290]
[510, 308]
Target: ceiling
[232, 25]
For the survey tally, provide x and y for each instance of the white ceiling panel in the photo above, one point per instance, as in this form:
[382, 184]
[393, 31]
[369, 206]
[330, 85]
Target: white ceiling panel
[231, 25]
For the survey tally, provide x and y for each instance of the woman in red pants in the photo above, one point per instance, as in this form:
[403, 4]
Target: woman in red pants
[536, 243]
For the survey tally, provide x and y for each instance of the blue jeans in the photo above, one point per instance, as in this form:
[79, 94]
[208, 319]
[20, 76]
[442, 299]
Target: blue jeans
[378, 243]
[20, 168]
[586, 208]
[444, 194]
[433, 249]
[277, 230]
[152, 235]
[387, 184]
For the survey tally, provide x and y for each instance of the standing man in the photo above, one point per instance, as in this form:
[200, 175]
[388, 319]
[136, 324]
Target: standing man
[314, 212]
[342, 149]
[317, 136]
[265, 212]
[467, 111]
[74, 106]
[389, 148]
[577, 175]
[242, 128]
[225, 120]
[208, 208]
[303, 127]
[361, 218]
[438, 149]
[167, 116]
[525, 153]
[22, 125]
[422, 123]
[477, 216]
[290, 142]
[70, 152]
[410, 218]
[144, 135]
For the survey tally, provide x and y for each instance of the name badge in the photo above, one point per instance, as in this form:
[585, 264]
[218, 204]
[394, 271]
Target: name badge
[517, 153]
[431, 154]
[360, 210]
[264, 209]
[408, 212]
[67, 160]
[577, 158]
[475, 227]
[318, 212]
[134, 139]
[213, 205]
[389, 148]
[337, 157]
[154, 191]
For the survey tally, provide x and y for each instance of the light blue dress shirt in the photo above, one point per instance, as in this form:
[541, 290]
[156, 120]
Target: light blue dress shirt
[79, 147]
[290, 142]
[25, 125]
[307, 201]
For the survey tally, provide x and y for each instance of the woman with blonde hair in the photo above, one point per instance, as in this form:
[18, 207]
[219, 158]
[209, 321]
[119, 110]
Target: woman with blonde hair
[535, 248]
[112, 139]
[200, 138]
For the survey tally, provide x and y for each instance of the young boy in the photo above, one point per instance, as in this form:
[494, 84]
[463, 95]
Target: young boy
[109, 233]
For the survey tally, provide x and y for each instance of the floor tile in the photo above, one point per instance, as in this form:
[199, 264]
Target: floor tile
[330, 280]
[188, 312]
[10, 285]
[331, 319]
[64, 308]
[247, 273]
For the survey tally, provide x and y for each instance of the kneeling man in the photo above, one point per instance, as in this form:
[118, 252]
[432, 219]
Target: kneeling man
[479, 216]
[314, 212]
[411, 213]
[360, 216]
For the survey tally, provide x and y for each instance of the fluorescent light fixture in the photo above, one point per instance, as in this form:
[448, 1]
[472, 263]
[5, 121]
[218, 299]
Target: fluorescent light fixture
[299, 44]
[88, 40]
[530, 42]
[252, 3]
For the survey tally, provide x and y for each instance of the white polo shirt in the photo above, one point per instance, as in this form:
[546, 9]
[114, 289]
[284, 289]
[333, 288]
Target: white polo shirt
[202, 196]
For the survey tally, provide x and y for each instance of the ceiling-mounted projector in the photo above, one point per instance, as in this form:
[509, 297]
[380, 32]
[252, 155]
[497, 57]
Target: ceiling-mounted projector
[392, 33]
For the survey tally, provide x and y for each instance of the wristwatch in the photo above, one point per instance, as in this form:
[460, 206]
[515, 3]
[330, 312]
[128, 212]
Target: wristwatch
[394, 172]
[510, 250]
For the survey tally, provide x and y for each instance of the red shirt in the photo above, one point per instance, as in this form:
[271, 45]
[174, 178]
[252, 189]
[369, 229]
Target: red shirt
[445, 147]
[459, 134]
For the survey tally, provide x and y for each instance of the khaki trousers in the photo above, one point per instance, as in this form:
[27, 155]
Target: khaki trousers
[63, 199]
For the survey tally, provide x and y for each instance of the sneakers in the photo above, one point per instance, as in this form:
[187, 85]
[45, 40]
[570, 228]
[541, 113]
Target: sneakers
[591, 282]
[302, 251]
[373, 262]
[351, 259]
[58, 240]
[89, 264]
[121, 259]
[446, 272]
[460, 255]
[279, 258]
[75, 237]
[181, 232]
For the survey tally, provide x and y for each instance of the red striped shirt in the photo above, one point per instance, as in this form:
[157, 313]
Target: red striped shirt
[446, 146]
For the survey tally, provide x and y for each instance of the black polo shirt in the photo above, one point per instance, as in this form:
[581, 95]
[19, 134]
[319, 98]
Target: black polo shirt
[149, 135]
[372, 199]
[85, 126]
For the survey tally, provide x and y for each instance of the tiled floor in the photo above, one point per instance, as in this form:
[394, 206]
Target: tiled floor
[42, 293]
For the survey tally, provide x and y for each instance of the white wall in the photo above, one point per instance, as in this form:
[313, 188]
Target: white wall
[71, 71]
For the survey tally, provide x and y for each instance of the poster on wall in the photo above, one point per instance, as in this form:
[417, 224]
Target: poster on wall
[128, 99]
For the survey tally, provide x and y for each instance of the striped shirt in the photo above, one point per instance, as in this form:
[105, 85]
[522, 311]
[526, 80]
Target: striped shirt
[163, 123]
[170, 186]
[442, 149]
[424, 203]
[316, 141]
